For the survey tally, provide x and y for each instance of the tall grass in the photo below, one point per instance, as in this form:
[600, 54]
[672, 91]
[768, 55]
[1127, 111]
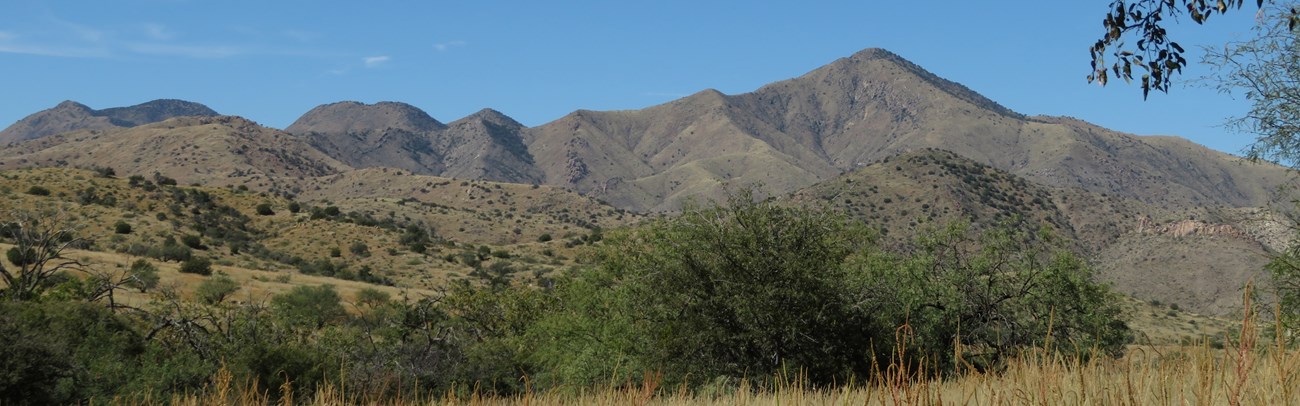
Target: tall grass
[1243, 373]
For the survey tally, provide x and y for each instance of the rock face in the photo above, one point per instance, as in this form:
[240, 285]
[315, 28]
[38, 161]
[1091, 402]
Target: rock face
[486, 145]
[72, 116]
[1185, 228]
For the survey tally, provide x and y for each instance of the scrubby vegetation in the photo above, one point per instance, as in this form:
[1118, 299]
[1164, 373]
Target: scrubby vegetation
[720, 295]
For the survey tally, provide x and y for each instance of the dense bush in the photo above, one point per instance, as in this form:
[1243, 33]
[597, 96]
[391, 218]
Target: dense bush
[20, 256]
[215, 289]
[169, 251]
[37, 190]
[64, 352]
[264, 209]
[143, 275]
[197, 265]
[719, 293]
[748, 290]
[193, 241]
[310, 307]
[122, 227]
[359, 249]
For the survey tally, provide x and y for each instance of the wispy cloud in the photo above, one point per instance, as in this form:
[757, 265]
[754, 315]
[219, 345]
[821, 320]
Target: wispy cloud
[12, 43]
[81, 31]
[444, 46]
[189, 51]
[375, 61]
[62, 52]
[158, 32]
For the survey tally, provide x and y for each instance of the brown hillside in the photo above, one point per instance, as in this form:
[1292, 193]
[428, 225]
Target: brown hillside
[212, 151]
[1194, 258]
[72, 116]
[485, 145]
[859, 110]
[472, 211]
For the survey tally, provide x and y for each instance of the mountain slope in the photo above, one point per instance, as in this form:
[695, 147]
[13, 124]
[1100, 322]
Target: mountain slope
[485, 145]
[1148, 252]
[72, 116]
[213, 151]
[859, 110]
[654, 159]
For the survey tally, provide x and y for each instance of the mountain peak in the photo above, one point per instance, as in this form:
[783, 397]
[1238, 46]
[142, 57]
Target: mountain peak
[72, 105]
[860, 64]
[70, 116]
[154, 111]
[352, 116]
[708, 94]
[489, 113]
[875, 53]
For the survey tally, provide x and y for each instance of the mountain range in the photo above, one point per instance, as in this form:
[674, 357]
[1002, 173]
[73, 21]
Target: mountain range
[872, 134]
[71, 116]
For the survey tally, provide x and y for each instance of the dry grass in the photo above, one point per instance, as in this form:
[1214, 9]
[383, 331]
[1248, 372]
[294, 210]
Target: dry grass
[1188, 375]
[1249, 372]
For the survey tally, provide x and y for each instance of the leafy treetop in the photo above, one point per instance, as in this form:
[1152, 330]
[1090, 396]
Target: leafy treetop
[1154, 54]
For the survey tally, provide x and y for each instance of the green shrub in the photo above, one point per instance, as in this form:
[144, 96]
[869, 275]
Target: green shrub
[65, 352]
[20, 257]
[122, 227]
[359, 249]
[170, 252]
[193, 241]
[144, 275]
[216, 289]
[264, 209]
[309, 306]
[197, 265]
[38, 191]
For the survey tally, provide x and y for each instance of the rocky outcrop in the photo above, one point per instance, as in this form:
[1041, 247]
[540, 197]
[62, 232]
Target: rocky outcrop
[1185, 228]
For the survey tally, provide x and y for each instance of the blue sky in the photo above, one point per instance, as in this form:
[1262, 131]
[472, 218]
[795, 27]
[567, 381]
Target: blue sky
[271, 61]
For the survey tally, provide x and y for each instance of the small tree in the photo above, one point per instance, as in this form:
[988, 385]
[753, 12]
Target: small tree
[143, 275]
[216, 289]
[745, 289]
[294, 207]
[359, 249]
[309, 306]
[193, 241]
[122, 227]
[197, 265]
[995, 294]
[39, 242]
[371, 297]
[264, 209]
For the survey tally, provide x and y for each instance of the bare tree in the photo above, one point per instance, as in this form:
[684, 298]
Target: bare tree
[39, 240]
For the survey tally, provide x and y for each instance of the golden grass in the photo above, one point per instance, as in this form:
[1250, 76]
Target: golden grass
[1246, 373]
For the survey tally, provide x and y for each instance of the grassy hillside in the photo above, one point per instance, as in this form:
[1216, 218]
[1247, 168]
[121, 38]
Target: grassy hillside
[1135, 246]
[342, 239]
